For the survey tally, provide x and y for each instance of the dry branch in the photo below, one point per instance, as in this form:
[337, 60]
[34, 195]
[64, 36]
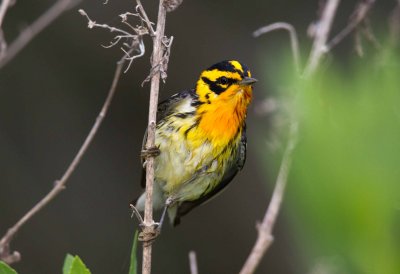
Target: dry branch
[59, 185]
[131, 41]
[149, 229]
[265, 237]
[31, 31]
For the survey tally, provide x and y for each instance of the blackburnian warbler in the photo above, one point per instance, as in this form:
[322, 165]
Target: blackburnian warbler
[201, 136]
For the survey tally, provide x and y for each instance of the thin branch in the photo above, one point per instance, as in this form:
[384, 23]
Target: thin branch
[40, 24]
[133, 41]
[149, 230]
[145, 18]
[265, 237]
[294, 41]
[358, 16]
[321, 36]
[193, 263]
[59, 185]
[93, 24]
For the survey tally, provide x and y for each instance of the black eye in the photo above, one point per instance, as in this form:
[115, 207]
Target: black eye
[223, 80]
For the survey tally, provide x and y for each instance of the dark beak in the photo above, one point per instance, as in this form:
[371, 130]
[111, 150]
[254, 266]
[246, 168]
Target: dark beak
[247, 81]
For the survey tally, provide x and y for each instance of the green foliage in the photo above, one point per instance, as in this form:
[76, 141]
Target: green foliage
[343, 192]
[5, 269]
[133, 265]
[74, 265]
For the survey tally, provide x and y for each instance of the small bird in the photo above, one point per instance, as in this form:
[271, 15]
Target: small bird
[201, 137]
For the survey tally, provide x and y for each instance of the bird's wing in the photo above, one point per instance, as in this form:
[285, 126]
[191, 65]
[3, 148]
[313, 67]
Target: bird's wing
[164, 109]
[167, 106]
[230, 173]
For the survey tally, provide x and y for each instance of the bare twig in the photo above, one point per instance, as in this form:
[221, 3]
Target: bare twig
[145, 18]
[294, 41]
[40, 24]
[358, 16]
[193, 263]
[59, 185]
[321, 36]
[265, 237]
[133, 41]
[93, 24]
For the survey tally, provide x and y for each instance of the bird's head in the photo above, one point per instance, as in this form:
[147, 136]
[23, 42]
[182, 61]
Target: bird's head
[225, 82]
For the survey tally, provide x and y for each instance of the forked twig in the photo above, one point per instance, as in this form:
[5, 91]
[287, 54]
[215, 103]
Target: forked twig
[144, 17]
[133, 41]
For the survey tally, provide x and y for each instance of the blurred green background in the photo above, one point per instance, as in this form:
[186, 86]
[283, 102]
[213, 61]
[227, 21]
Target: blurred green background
[342, 209]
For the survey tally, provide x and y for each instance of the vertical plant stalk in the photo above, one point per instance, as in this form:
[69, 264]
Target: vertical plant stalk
[156, 59]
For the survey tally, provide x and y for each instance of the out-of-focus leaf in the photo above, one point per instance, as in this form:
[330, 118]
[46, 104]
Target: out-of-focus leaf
[344, 187]
[5, 269]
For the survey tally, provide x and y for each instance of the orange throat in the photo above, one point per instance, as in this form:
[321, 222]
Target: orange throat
[223, 119]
